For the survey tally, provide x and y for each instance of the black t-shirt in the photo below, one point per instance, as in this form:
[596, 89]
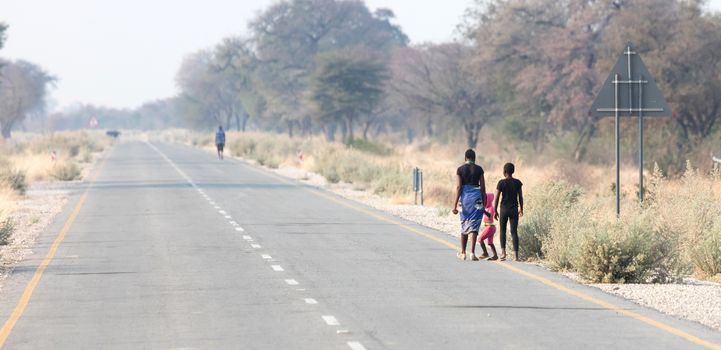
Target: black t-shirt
[470, 174]
[509, 189]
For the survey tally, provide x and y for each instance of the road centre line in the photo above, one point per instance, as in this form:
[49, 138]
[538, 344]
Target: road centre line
[247, 238]
[291, 282]
[543, 280]
[277, 268]
[266, 256]
[354, 345]
[310, 301]
[239, 229]
[255, 246]
[330, 320]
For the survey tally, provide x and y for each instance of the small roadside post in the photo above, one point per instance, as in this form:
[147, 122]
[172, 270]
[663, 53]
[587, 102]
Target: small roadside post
[417, 185]
[629, 91]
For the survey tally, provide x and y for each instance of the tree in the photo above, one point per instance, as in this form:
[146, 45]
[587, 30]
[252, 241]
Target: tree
[209, 96]
[548, 54]
[348, 86]
[23, 88]
[290, 34]
[439, 79]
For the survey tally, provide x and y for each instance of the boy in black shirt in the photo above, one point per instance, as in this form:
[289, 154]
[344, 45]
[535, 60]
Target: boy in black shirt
[510, 189]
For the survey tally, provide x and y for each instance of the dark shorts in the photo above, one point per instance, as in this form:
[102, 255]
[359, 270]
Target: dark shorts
[220, 146]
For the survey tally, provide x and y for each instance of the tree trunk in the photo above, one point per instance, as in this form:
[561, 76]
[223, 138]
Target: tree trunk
[5, 129]
[583, 140]
[290, 124]
[472, 130]
[237, 122]
[244, 123]
[350, 129]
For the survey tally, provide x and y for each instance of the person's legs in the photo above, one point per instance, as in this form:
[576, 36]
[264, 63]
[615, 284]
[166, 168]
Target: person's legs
[474, 237]
[514, 234]
[493, 249]
[464, 242]
[503, 221]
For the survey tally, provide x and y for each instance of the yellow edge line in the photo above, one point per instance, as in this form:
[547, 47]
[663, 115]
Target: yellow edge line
[30, 288]
[607, 305]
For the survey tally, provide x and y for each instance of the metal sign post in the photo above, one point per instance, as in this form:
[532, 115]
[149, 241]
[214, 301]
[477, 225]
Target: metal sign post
[651, 103]
[417, 185]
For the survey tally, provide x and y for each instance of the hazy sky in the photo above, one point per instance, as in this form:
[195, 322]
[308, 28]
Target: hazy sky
[123, 53]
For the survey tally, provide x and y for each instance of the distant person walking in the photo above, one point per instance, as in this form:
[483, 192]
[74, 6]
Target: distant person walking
[470, 190]
[489, 229]
[509, 191]
[220, 141]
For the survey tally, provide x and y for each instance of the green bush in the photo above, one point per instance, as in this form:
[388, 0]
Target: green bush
[706, 251]
[65, 171]
[545, 203]
[629, 251]
[370, 147]
[15, 178]
[6, 230]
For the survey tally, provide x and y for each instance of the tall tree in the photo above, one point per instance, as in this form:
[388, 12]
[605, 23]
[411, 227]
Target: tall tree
[440, 80]
[348, 86]
[23, 88]
[290, 34]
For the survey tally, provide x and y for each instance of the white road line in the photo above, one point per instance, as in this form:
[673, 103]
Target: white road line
[247, 238]
[211, 203]
[310, 301]
[222, 212]
[239, 229]
[292, 282]
[216, 207]
[228, 217]
[233, 223]
[330, 320]
[266, 256]
[255, 246]
[342, 331]
[356, 345]
[277, 268]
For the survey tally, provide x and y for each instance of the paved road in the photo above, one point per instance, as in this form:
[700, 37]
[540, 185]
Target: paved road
[173, 249]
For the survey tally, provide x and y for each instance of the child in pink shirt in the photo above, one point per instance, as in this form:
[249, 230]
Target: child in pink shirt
[489, 229]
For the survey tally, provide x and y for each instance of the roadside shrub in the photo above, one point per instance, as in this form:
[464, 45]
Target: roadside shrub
[545, 203]
[371, 147]
[15, 179]
[706, 251]
[632, 250]
[65, 171]
[6, 230]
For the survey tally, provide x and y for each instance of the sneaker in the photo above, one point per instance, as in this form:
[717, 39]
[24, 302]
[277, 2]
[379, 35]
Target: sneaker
[483, 256]
[474, 257]
[461, 256]
[493, 258]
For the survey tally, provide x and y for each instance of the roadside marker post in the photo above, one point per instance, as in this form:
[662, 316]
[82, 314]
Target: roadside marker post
[417, 185]
[622, 96]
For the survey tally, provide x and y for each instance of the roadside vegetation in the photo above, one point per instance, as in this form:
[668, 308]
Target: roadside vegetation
[569, 224]
[29, 158]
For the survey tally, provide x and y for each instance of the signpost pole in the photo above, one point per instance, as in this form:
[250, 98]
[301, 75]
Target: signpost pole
[618, 150]
[640, 139]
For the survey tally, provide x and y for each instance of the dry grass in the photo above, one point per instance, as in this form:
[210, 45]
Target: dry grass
[570, 222]
[27, 158]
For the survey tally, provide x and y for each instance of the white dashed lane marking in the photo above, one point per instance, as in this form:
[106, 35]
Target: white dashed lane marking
[266, 256]
[354, 345]
[330, 320]
[239, 229]
[277, 268]
[255, 246]
[310, 301]
[292, 282]
[247, 238]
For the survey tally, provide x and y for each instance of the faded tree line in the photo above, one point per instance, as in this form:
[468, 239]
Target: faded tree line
[23, 88]
[528, 69]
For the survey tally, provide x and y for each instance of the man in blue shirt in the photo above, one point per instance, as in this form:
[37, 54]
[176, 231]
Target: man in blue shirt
[220, 141]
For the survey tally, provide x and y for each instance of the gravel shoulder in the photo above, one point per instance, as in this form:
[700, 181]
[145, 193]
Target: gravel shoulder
[693, 300]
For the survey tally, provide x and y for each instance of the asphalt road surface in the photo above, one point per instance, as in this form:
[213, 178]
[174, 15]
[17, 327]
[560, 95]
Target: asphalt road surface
[166, 247]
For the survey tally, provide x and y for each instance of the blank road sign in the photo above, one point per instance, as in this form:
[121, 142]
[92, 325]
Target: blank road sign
[628, 86]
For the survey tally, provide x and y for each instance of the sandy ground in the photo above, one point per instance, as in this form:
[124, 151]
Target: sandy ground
[694, 300]
[34, 213]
